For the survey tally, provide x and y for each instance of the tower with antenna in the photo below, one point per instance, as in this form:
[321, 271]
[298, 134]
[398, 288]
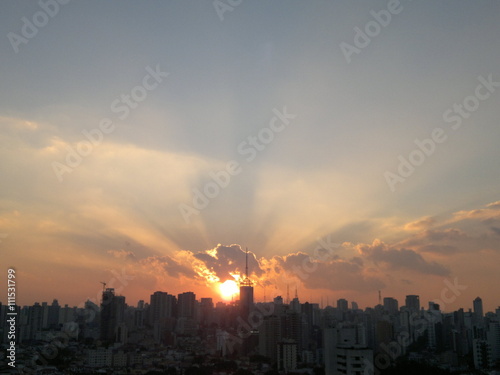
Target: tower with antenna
[246, 292]
[295, 304]
[246, 281]
[246, 262]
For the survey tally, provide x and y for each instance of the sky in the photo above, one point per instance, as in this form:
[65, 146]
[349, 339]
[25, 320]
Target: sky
[351, 146]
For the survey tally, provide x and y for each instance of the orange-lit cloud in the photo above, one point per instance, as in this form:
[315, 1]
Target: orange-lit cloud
[489, 214]
[420, 224]
[119, 210]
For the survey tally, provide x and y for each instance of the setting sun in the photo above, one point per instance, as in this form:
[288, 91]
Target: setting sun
[228, 289]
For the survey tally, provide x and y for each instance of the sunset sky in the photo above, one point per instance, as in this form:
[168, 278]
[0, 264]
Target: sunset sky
[310, 125]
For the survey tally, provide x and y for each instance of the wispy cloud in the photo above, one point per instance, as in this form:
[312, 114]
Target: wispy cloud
[420, 224]
[122, 254]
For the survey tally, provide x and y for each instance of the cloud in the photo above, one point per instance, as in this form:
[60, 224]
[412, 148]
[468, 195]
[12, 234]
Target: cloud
[494, 205]
[122, 254]
[446, 234]
[326, 271]
[96, 220]
[488, 214]
[427, 237]
[323, 271]
[332, 273]
[226, 261]
[439, 249]
[404, 259]
[168, 266]
[496, 230]
[420, 224]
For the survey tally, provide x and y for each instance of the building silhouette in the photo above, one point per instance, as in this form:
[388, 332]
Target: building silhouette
[162, 305]
[206, 311]
[413, 303]
[342, 305]
[112, 316]
[478, 311]
[287, 354]
[391, 305]
[53, 315]
[187, 314]
[186, 305]
[270, 334]
[246, 293]
[161, 313]
[346, 350]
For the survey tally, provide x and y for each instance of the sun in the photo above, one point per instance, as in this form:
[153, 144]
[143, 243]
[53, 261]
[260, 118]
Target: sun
[228, 289]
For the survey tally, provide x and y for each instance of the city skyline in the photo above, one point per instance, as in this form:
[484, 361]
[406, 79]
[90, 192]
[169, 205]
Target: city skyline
[322, 303]
[214, 285]
[351, 147]
[284, 336]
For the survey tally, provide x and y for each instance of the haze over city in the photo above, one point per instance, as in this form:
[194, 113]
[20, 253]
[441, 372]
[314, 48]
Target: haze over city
[148, 146]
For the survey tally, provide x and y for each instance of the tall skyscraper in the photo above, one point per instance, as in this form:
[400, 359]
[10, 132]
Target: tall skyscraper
[478, 319]
[112, 315]
[162, 306]
[246, 293]
[269, 337]
[206, 311]
[161, 313]
[478, 309]
[45, 315]
[391, 305]
[187, 313]
[413, 303]
[35, 320]
[291, 327]
[342, 304]
[186, 305]
[53, 318]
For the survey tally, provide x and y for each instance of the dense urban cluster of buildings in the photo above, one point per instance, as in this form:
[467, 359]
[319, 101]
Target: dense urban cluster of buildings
[174, 333]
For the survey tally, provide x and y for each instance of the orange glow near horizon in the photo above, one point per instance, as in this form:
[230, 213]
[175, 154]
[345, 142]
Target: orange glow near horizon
[229, 289]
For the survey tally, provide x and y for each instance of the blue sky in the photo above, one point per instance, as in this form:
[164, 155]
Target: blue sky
[323, 175]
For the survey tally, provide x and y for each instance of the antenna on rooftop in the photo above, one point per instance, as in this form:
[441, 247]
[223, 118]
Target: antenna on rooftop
[103, 285]
[246, 262]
